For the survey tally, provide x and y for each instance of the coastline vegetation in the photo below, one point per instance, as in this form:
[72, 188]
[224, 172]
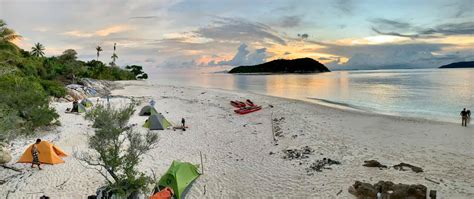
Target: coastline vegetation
[28, 80]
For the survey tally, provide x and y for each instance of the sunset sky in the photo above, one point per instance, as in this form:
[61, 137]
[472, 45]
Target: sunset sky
[182, 34]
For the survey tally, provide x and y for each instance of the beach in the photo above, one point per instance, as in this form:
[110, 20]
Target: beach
[242, 156]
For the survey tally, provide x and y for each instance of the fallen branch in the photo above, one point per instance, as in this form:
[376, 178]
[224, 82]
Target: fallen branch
[11, 168]
[432, 181]
[339, 192]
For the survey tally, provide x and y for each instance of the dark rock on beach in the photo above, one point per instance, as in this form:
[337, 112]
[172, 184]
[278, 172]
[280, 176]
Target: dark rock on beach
[373, 163]
[398, 191]
[401, 167]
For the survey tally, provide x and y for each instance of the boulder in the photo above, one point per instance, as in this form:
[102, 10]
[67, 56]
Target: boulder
[5, 156]
[413, 168]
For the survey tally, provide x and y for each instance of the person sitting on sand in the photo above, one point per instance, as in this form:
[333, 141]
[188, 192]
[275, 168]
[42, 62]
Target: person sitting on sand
[75, 106]
[464, 117]
[35, 154]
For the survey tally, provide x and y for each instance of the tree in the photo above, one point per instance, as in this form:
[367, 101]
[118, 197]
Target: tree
[99, 49]
[137, 71]
[69, 54]
[37, 50]
[6, 34]
[116, 149]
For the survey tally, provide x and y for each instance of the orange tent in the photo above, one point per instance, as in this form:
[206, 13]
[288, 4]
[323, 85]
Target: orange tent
[48, 154]
[166, 193]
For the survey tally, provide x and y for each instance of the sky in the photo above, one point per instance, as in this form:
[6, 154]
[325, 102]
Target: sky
[220, 34]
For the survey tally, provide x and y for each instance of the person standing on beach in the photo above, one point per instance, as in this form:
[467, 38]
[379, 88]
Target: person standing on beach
[35, 154]
[464, 117]
[152, 103]
[183, 122]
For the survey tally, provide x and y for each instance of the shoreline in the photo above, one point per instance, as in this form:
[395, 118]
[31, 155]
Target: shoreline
[314, 101]
[240, 153]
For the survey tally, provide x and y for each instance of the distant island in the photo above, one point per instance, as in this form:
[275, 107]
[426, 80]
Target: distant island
[301, 65]
[465, 64]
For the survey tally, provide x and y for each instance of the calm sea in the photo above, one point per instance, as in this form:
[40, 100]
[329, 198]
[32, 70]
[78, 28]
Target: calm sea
[436, 94]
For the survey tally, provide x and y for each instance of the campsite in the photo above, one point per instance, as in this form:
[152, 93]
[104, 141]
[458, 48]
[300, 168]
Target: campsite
[234, 152]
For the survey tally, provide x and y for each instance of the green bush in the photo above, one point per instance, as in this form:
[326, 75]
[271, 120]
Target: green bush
[27, 97]
[54, 88]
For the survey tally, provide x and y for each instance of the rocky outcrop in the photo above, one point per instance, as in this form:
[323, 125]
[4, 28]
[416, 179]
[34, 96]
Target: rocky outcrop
[396, 191]
[87, 88]
[5, 155]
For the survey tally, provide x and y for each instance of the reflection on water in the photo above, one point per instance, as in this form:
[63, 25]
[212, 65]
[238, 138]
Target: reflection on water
[428, 93]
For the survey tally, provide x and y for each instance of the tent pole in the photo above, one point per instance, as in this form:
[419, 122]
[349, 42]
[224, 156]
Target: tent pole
[202, 165]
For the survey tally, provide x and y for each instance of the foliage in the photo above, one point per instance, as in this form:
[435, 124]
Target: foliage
[117, 149]
[301, 65]
[137, 71]
[37, 50]
[9, 123]
[27, 97]
[54, 88]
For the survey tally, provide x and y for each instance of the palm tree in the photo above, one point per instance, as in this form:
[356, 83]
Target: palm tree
[37, 50]
[7, 34]
[98, 48]
[114, 57]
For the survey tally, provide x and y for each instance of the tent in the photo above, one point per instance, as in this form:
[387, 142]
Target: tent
[157, 122]
[87, 103]
[179, 176]
[147, 110]
[48, 154]
[166, 193]
[81, 108]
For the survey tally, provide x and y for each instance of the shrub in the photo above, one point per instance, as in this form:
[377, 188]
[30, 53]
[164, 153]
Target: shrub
[117, 149]
[27, 97]
[54, 88]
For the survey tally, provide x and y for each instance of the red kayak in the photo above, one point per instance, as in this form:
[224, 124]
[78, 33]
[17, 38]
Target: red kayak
[250, 103]
[237, 104]
[248, 110]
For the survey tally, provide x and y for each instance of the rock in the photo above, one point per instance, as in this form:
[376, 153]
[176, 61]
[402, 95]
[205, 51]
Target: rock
[399, 191]
[373, 163]
[297, 153]
[5, 156]
[362, 190]
[432, 194]
[401, 166]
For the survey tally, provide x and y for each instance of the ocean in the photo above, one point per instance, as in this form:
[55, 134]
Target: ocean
[434, 94]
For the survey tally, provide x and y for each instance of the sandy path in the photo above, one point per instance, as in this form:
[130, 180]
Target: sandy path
[237, 148]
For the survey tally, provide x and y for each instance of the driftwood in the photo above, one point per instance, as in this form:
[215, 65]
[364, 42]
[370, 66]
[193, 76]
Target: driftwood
[11, 168]
[432, 181]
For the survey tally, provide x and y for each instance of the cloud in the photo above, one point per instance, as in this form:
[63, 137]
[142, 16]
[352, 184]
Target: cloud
[345, 6]
[102, 32]
[239, 30]
[144, 17]
[383, 56]
[387, 23]
[403, 29]
[290, 21]
[244, 57]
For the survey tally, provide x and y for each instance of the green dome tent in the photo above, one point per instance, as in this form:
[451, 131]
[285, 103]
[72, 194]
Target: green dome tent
[81, 108]
[87, 103]
[157, 122]
[147, 110]
[179, 176]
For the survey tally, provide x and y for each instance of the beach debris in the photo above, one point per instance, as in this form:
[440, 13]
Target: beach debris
[302, 153]
[340, 191]
[432, 194]
[398, 191]
[319, 165]
[432, 180]
[401, 166]
[373, 163]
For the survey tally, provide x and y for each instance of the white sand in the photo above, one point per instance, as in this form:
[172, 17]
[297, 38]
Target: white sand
[236, 149]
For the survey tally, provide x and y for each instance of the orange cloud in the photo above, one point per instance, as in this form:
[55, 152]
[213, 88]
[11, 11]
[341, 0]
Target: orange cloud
[102, 32]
